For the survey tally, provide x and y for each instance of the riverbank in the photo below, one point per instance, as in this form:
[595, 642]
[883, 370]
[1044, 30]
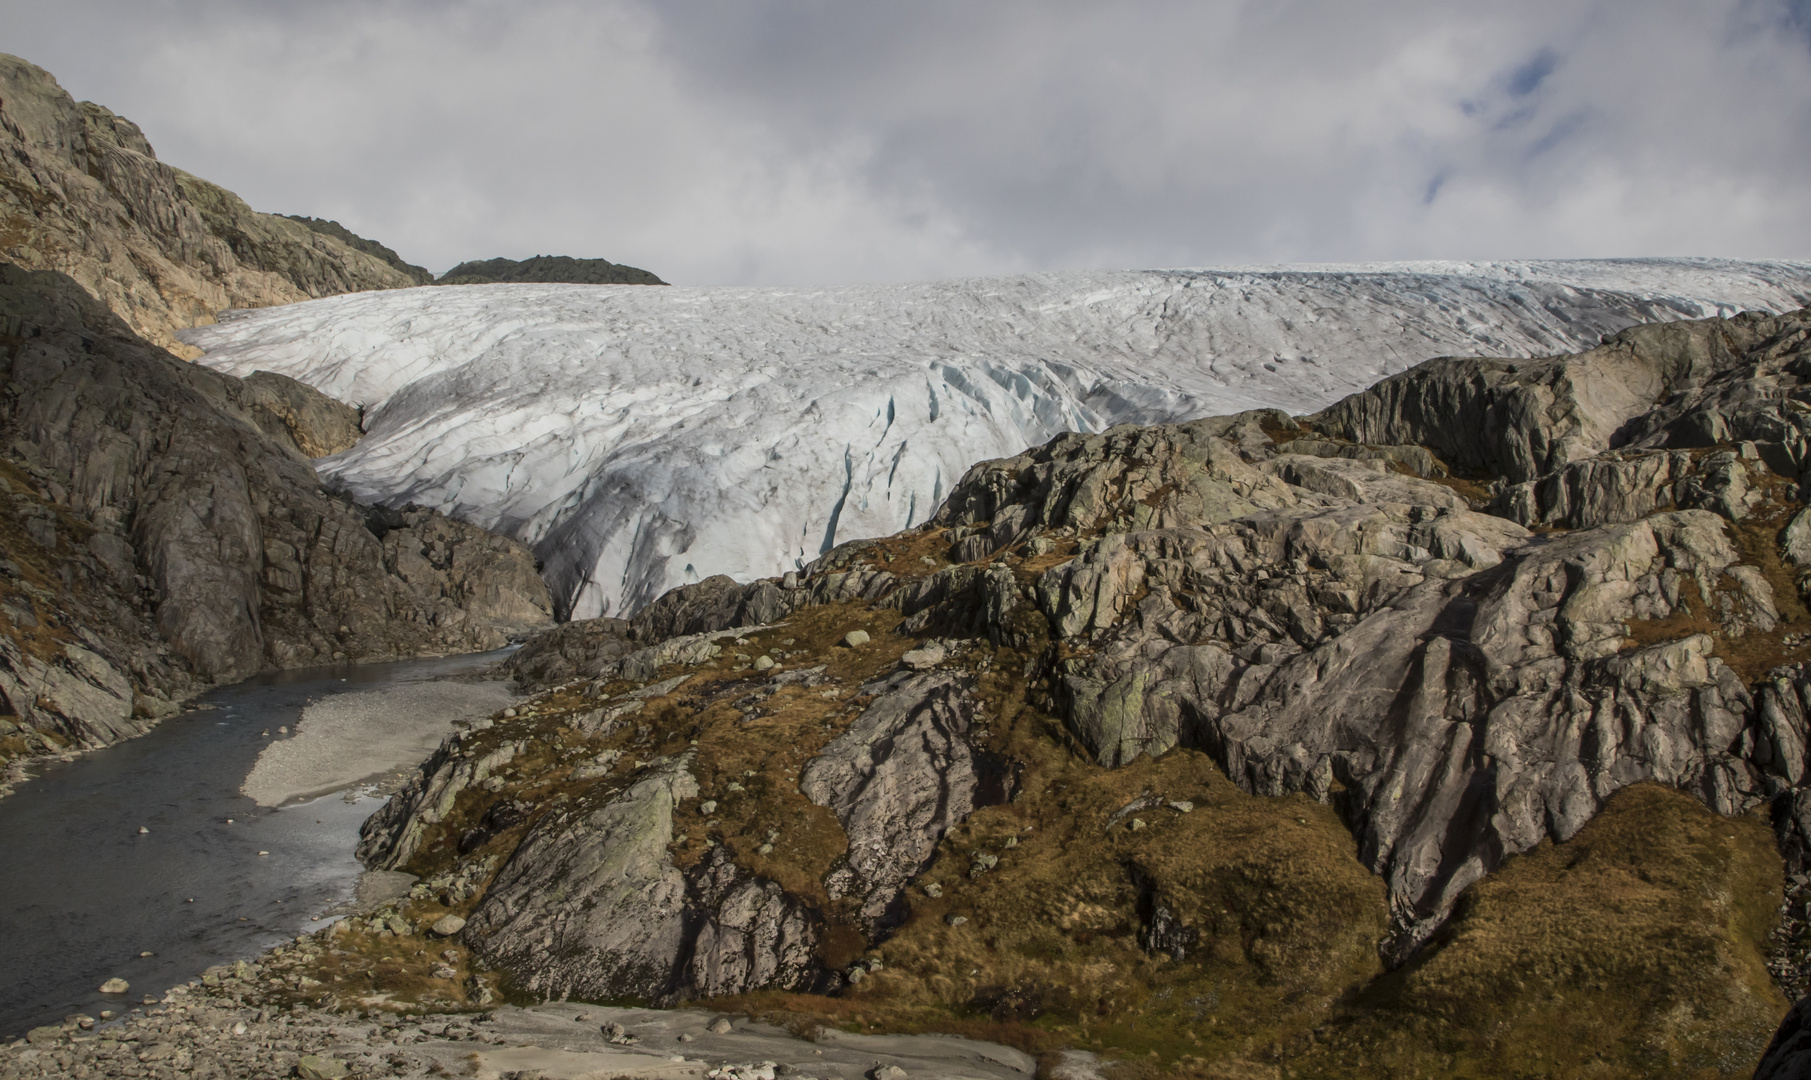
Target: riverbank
[196, 1032]
[398, 734]
[355, 737]
[145, 861]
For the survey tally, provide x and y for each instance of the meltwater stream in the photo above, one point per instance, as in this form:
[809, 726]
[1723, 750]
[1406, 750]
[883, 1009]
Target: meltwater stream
[83, 893]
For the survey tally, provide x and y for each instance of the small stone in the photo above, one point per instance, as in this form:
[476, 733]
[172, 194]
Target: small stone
[509, 713]
[1182, 806]
[115, 986]
[161, 1051]
[764, 663]
[765, 849]
[106, 1014]
[685, 1036]
[264, 853]
[1011, 842]
[320, 1067]
[933, 890]
[708, 807]
[955, 920]
[284, 730]
[239, 1027]
[1137, 824]
[924, 657]
[857, 974]
[44, 1036]
[447, 926]
[855, 639]
[142, 830]
[889, 1072]
[720, 1026]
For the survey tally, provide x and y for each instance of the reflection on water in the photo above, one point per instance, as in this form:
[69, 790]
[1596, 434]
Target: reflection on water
[83, 892]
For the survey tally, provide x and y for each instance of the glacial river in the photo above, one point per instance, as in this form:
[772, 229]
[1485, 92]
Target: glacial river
[83, 893]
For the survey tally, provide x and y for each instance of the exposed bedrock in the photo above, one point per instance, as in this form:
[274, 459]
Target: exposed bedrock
[735, 791]
[1461, 687]
[169, 528]
[591, 902]
[899, 779]
[84, 194]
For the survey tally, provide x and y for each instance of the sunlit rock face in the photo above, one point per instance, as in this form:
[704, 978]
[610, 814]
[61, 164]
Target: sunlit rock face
[642, 439]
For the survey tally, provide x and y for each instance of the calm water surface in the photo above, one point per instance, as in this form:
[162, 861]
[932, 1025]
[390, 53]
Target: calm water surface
[83, 892]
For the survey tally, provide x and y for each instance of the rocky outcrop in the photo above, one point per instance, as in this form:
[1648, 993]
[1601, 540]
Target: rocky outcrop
[299, 417]
[176, 511]
[624, 919]
[614, 924]
[421, 275]
[903, 775]
[1519, 419]
[1464, 686]
[82, 193]
[999, 744]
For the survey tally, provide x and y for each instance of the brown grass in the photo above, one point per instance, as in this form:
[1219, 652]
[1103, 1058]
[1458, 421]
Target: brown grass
[1635, 949]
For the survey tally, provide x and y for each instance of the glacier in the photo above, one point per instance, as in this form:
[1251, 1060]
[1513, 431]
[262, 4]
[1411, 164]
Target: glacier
[643, 437]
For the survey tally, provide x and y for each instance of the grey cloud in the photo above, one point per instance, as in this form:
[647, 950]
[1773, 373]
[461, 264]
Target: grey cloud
[792, 142]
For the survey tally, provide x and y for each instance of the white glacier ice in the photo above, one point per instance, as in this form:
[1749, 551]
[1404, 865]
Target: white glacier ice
[643, 437]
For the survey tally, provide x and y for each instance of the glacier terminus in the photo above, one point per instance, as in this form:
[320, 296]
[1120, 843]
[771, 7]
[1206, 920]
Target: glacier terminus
[643, 437]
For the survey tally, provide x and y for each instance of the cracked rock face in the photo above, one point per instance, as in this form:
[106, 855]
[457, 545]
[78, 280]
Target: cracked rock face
[165, 517]
[1323, 623]
[749, 934]
[899, 779]
[592, 905]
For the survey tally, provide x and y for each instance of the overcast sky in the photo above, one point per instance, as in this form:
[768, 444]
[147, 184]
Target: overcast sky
[748, 141]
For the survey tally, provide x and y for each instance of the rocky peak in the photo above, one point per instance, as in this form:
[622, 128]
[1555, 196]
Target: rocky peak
[84, 194]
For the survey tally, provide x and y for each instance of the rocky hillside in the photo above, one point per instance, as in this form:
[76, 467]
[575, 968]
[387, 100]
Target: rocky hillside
[83, 193]
[1456, 730]
[547, 268]
[162, 527]
[421, 275]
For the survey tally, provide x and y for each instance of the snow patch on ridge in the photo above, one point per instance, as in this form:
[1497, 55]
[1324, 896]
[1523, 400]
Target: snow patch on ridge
[642, 437]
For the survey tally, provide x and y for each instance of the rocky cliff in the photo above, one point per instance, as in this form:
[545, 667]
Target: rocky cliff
[162, 527]
[83, 193]
[1460, 728]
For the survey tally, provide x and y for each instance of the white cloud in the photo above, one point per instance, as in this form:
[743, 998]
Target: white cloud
[805, 141]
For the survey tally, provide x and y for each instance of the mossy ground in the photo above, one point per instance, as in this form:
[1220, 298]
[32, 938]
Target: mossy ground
[1634, 949]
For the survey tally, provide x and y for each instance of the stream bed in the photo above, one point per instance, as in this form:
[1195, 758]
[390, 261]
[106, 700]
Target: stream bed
[83, 893]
